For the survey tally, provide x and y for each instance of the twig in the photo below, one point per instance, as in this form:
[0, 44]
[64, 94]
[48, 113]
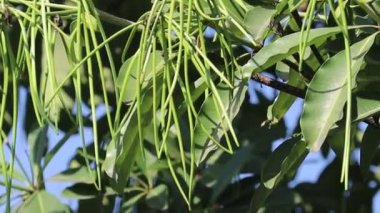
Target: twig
[279, 85]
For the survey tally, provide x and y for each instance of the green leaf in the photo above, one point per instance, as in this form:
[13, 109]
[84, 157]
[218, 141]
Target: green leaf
[283, 198]
[286, 46]
[234, 10]
[366, 97]
[259, 198]
[257, 21]
[62, 67]
[326, 94]
[17, 175]
[283, 161]
[369, 146]
[90, 21]
[368, 78]
[336, 137]
[130, 203]
[157, 198]
[42, 201]
[80, 191]
[229, 170]
[129, 71]
[121, 154]
[365, 104]
[74, 175]
[210, 122]
[284, 100]
[37, 140]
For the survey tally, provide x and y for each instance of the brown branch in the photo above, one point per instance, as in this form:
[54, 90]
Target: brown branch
[278, 85]
[300, 93]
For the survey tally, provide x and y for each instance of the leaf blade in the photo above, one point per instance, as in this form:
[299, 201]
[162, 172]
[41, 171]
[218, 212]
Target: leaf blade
[326, 95]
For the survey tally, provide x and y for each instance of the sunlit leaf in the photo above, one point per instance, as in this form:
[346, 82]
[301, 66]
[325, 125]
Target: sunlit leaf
[286, 46]
[326, 94]
[74, 175]
[42, 201]
[257, 21]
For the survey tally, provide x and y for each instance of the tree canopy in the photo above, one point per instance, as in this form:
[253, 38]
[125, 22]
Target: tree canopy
[165, 88]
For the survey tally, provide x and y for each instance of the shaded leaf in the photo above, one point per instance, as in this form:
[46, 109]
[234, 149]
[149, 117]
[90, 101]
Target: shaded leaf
[229, 170]
[369, 146]
[327, 95]
[37, 140]
[365, 104]
[129, 204]
[80, 191]
[336, 137]
[283, 161]
[282, 199]
[284, 100]
[157, 198]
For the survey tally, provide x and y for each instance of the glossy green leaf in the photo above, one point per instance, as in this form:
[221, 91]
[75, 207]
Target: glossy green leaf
[283, 161]
[326, 94]
[157, 198]
[257, 21]
[74, 175]
[286, 46]
[42, 201]
[369, 146]
[210, 121]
